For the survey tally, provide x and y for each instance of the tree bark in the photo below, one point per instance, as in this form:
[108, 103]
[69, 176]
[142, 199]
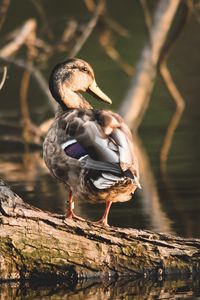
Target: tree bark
[35, 244]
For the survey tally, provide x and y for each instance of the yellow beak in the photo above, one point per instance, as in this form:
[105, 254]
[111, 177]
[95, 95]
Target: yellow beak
[97, 92]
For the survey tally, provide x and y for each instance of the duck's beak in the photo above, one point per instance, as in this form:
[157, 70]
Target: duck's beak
[94, 90]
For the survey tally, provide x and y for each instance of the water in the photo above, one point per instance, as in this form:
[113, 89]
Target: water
[169, 201]
[94, 290]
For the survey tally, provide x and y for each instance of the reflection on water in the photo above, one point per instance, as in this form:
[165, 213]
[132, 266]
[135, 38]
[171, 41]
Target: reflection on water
[162, 204]
[94, 290]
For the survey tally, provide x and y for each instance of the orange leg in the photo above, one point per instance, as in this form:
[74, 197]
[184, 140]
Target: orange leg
[70, 211]
[104, 219]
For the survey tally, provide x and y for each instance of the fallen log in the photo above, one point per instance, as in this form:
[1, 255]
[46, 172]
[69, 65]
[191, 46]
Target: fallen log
[37, 245]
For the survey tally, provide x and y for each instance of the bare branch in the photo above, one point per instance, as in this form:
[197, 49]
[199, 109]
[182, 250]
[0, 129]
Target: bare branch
[106, 42]
[171, 87]
[118, 28]
[88, 29]
[5, 69]
[31, 132]
[43, 16]
[12, 47]
[69, 31]
[37, 76]
[147, 15]
[180, 105]
[137, 99]
[3, 11]
[112, 24]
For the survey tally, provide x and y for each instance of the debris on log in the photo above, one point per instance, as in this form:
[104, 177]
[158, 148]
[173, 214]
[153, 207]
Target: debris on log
[36, 244]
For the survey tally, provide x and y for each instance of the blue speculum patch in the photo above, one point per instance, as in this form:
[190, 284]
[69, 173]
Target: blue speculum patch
[75, 150]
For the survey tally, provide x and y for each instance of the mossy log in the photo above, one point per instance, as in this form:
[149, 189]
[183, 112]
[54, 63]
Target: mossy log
[35, 244]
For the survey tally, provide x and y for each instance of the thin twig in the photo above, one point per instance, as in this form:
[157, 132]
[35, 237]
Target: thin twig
[109, 22]
[37, 76]
[137, 98]
[67, 36]
[5, 69]
[43, 16]
[3, 11]
[147, 15]
[180, 105]
[30, 131]
[106, 42]
[88, 30]
[69, 31]
[118, 28]
[23, 97]
[19, 40]
[105, 38]
[171, 87]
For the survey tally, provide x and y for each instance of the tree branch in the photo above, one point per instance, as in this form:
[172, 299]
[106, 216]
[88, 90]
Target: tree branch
[5, 69]
[137, 98]
[3, 11]
[28, 27]
[88, 29]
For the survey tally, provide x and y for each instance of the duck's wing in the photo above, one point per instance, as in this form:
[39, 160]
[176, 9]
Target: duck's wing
[101, 140]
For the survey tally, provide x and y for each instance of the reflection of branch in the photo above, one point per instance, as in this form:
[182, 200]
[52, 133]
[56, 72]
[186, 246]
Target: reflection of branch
[3, 11]
[87, 30]
[180, 104]
[150, 196]
[3, 77]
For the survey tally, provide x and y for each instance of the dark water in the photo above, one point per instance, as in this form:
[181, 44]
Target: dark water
[169, 201]
[94, 290]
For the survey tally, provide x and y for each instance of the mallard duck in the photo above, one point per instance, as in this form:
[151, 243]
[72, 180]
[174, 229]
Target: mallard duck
[89, 150]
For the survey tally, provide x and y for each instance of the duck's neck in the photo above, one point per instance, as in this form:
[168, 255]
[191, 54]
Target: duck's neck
[70, 100]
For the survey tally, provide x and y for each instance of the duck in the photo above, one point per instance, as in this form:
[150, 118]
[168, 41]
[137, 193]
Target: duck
[89, 150]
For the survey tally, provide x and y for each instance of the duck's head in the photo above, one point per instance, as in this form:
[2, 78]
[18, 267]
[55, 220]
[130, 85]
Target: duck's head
[68, 79]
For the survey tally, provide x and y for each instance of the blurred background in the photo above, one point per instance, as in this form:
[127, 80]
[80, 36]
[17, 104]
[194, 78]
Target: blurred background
[124, 41]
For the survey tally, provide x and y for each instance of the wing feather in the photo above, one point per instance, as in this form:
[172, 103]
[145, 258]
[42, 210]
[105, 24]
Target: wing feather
[106, 139]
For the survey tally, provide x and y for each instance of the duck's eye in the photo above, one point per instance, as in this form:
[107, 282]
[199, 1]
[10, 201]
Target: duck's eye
[84, 69]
